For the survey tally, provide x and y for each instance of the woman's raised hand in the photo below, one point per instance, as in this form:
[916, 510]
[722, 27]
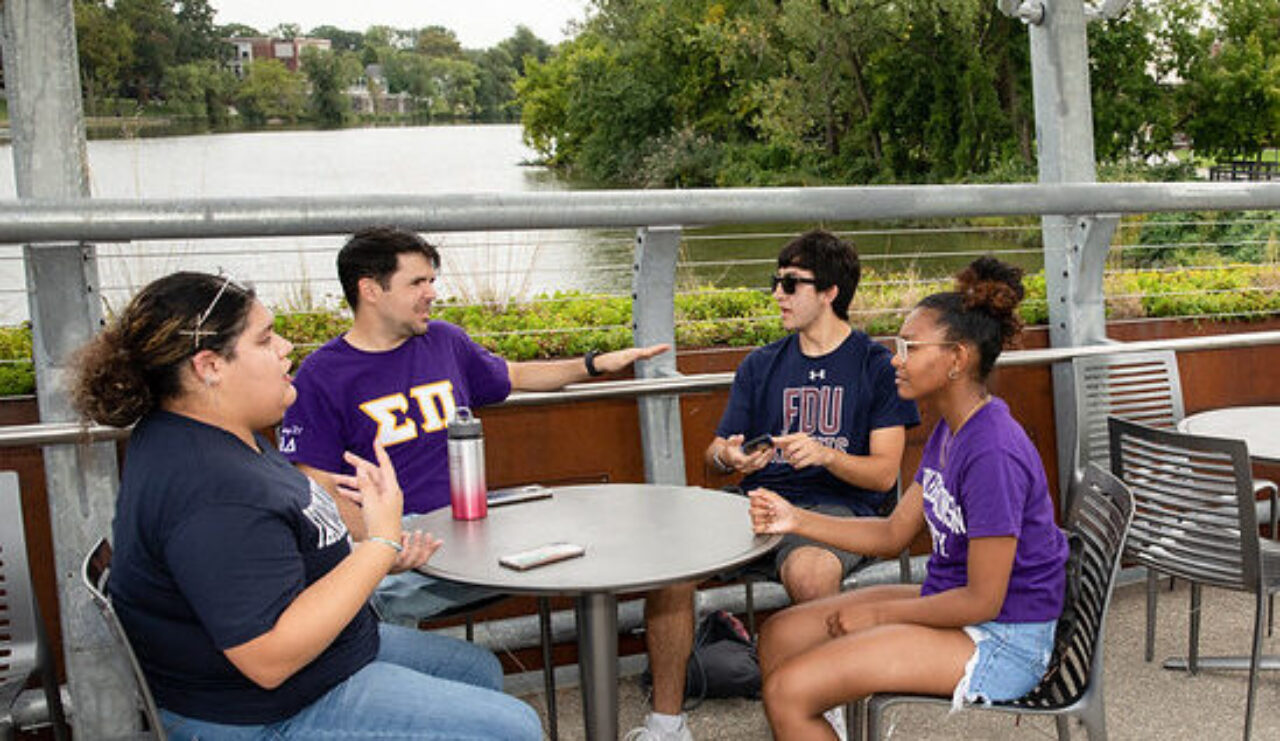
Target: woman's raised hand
[377, 491]
[771, 513]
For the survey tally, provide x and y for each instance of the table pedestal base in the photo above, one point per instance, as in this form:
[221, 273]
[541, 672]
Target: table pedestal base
[598, 664]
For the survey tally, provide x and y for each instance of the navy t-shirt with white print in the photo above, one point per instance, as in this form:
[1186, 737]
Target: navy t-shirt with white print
[838, 399]
[212, 542]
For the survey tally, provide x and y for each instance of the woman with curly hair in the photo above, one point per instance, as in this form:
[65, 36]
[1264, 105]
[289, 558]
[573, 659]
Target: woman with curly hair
[981, 626]
[233, 575]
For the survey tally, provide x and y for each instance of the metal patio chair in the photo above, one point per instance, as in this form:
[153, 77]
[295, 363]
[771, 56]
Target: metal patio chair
[24, 647]
[1145, 388]
[1194, 518]
[95, 573]
[1098, 522]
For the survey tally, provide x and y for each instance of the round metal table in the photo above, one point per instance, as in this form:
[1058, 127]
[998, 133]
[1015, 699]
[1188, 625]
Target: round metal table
[637, 537]
[1259, 427]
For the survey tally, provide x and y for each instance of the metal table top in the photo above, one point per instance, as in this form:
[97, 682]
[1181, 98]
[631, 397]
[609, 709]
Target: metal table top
[636, 536]
[1258, 426]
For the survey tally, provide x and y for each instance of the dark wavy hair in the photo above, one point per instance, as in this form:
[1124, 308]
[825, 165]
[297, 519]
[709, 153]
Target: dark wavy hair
[135, 363]
[834, 262]
[983, 310]
[375, 253]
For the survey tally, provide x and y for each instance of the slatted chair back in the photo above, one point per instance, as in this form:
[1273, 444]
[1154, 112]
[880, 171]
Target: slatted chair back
[1141, 387]
[1195, 514]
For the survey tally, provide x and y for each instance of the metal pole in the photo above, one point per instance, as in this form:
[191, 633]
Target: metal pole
[50, 162]
[598, 659]
[653, 316]
[1075, 247]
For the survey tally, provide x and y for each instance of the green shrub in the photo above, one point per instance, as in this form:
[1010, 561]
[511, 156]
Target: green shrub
[17, 374]
[570, 323]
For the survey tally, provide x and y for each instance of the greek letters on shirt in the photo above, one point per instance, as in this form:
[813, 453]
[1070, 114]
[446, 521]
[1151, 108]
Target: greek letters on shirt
[817, 411]
[393, 412]
[946, 517]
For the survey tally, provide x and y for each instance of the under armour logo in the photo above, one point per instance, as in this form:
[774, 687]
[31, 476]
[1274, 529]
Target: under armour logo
[816, 374]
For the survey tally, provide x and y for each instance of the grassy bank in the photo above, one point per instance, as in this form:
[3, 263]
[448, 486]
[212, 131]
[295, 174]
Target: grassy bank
[566, 324]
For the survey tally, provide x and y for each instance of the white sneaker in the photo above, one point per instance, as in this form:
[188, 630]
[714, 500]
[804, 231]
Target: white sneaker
[835, 716]
[648, 733]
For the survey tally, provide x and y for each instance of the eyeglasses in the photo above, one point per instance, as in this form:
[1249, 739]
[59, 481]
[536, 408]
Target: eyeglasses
[903, 347]
[196, 332]
[789, 283]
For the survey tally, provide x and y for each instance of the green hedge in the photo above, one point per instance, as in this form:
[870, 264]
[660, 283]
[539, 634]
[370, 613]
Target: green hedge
[553, 326]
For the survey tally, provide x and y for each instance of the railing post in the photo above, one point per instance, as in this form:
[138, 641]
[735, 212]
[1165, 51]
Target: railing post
[654, 321]
[1075, 248]
[50, 162]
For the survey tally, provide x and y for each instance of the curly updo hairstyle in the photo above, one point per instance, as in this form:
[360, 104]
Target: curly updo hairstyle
[983, 310]
[134, 364]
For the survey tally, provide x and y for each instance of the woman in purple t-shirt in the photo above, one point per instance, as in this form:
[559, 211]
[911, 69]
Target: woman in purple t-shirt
[981, 626]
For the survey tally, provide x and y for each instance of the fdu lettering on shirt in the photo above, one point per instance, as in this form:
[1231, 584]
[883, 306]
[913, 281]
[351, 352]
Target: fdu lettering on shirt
[817, 411]
[944, 515]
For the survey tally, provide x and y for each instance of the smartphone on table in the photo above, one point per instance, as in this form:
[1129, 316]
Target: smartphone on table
[541, 556]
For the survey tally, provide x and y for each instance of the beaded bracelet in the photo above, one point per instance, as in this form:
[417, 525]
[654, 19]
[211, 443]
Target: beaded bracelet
[387, 542]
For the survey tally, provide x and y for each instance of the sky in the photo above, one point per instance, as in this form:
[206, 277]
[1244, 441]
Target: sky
[479, 24]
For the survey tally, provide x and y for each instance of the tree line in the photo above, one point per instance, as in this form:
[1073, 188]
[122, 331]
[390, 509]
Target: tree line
[143, 54]
[767, 92]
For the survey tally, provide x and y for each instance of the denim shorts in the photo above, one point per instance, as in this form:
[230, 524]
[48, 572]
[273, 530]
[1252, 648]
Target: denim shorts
[1009, 660]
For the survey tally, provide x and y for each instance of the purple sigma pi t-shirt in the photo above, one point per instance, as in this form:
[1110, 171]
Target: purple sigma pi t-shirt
[405, 397]
[990, 482]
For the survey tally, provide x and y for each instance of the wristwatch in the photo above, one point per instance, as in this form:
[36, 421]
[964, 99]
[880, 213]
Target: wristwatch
[724, 467]
[590, 361]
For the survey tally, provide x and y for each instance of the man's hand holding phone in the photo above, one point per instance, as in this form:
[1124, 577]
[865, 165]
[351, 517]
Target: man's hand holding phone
[747, 456]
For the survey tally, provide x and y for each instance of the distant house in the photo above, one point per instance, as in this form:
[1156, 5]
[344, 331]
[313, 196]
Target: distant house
[253, 48]
[369, 94]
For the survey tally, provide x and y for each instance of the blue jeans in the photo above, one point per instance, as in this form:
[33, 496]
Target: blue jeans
[1009, 660]
[420, 686]
[410, 596]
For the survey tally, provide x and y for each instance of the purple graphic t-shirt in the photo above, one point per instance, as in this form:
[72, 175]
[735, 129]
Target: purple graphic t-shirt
[405, 397]
[989, 482]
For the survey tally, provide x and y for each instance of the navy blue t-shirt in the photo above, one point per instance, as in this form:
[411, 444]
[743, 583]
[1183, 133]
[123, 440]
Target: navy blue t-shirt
[212, 541]
[838, 399]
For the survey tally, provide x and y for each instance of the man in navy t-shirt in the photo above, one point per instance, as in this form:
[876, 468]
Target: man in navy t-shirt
[825, 396]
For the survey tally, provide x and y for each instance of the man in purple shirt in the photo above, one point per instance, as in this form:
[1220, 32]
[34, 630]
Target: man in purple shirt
[398, 376]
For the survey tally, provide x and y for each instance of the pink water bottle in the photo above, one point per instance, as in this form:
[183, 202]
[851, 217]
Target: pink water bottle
[467, 491]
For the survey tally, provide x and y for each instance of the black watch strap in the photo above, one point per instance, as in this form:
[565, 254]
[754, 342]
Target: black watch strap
[589, 360]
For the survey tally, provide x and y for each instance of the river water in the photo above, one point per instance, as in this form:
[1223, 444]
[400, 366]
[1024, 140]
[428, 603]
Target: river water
[299, 272]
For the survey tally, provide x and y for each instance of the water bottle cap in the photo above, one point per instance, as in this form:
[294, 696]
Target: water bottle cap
[465, 425]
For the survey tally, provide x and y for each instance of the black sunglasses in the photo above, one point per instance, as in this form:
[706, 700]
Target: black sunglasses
[789, 283]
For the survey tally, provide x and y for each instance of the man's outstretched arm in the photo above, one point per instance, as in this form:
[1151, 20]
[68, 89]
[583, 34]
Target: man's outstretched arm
[551, 375]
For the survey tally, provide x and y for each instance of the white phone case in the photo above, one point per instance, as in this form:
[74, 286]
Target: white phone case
[542, 555]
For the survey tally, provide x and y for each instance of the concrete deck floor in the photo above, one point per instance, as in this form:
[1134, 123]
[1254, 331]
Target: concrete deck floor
[1144, 701]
